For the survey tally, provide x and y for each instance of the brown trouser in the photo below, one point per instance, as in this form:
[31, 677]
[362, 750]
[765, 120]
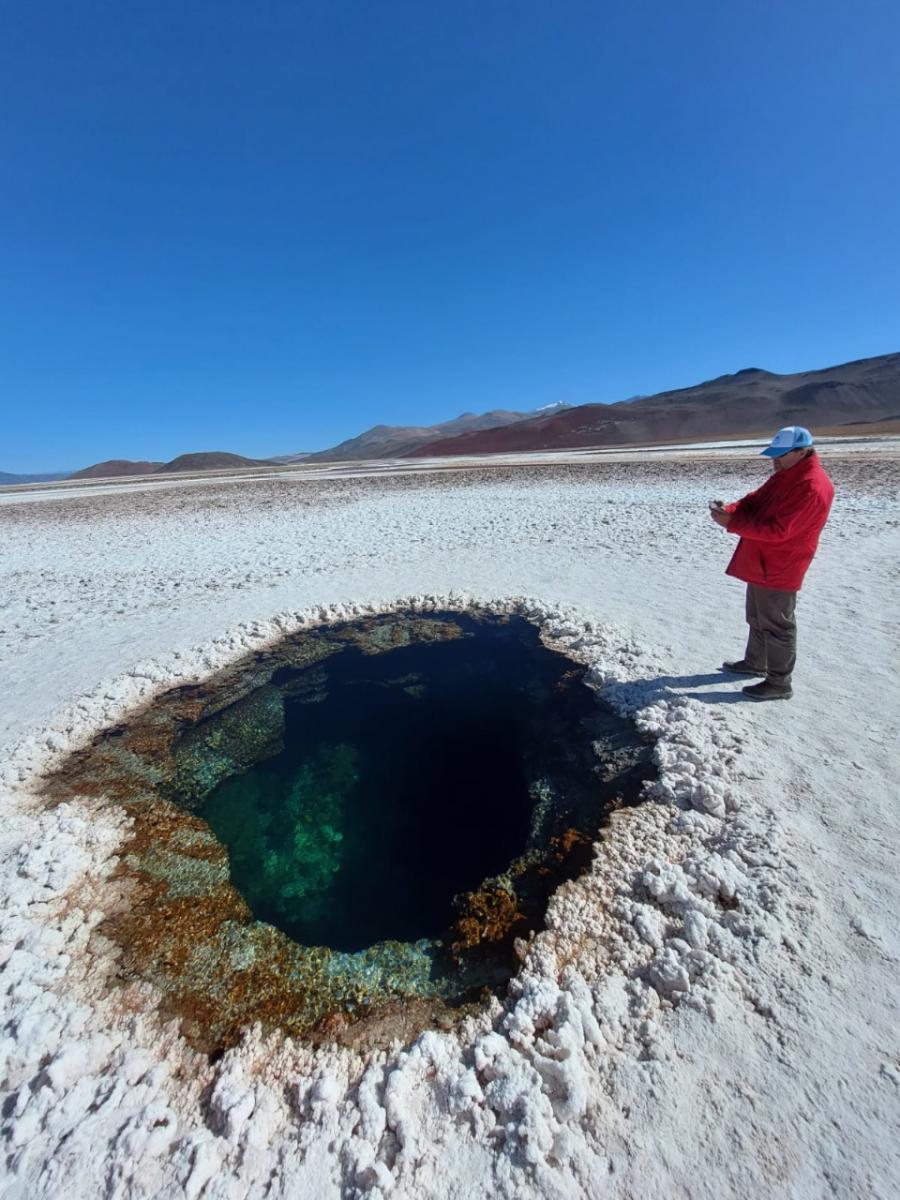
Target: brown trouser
[772, 642]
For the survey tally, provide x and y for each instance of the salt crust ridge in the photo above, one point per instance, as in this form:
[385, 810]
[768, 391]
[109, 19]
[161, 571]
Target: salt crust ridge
[680, 900]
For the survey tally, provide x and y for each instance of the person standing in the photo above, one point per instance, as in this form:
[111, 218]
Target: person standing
[778, 526]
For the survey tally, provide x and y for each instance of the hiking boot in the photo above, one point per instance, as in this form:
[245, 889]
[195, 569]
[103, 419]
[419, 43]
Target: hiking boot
[767, 691]
[742, 667]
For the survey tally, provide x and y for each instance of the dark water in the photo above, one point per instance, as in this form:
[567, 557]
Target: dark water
[405, 782]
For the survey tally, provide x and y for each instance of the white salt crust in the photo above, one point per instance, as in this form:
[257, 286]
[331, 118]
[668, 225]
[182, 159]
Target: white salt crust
[677, 1030]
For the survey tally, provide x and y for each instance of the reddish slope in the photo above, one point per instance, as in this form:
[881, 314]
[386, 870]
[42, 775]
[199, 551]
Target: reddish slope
[750, 402]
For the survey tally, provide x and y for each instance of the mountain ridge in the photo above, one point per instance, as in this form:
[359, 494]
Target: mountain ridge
[863, 393]
[749, 402]
[399, 441]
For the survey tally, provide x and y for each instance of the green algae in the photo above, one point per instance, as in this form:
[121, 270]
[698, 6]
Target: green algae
[284, 831]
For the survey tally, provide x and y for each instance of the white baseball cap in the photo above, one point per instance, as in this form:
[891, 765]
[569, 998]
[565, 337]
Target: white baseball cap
[792, 437]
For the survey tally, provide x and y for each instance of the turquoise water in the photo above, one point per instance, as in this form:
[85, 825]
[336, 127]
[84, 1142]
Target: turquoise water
[406, 777]
[283, 826]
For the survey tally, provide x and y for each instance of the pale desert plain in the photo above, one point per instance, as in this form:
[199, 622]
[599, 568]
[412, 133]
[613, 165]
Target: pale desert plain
[713, 1009]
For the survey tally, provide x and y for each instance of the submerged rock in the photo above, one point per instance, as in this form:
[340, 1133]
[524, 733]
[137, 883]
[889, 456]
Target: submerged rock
[285, 840]
[227, 743]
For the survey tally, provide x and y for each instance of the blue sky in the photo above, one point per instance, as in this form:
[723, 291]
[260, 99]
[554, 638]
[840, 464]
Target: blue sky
[263, 227]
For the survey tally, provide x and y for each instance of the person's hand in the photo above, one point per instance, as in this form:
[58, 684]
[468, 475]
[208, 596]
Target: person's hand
[720, 516]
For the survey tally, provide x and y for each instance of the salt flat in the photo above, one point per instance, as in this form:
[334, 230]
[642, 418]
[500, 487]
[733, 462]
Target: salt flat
[712, 1010]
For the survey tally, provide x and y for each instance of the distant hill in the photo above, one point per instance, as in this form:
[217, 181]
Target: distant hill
[211, 460]
[7, 478]
[752, 402]
[285, 459]
[400, 441]
[116, 466]
[207, 460]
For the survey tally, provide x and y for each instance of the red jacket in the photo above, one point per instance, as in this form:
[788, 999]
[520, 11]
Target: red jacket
[779, 526]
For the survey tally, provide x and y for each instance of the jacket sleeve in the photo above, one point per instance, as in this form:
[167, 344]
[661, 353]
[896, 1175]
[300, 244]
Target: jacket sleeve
[800, 509]
[736, 504]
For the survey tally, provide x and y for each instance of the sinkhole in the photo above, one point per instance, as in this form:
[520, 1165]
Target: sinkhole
[345, 835]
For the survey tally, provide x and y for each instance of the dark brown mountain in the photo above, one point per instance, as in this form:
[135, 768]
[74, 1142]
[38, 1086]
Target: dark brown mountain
[114, 467]
[753, 402]
[211, 460]
[207, 460]
[400, 441]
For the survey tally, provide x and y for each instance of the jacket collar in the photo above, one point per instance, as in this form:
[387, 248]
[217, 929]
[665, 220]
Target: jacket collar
[798, 471]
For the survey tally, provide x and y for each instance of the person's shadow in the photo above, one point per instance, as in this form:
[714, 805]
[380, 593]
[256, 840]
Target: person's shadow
[663, 687]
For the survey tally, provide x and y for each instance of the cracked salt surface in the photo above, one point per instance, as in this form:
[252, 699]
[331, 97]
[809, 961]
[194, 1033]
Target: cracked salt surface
[702, 1015]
